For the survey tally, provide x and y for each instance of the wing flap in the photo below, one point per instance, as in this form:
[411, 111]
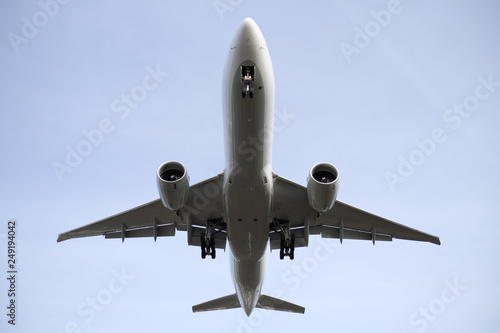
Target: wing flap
[342, 233]
[161, 231]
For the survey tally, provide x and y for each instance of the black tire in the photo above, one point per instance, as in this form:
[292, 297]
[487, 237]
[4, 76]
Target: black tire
[203, 246]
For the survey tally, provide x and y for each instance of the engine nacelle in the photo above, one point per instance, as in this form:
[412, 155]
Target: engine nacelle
[173, 184]
[322, 186]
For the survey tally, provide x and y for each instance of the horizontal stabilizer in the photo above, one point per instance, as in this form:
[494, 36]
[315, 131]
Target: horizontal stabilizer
[271, 303]
[222, 303]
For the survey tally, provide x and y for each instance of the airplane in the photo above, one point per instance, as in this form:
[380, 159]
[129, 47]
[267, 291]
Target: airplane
[248, 205]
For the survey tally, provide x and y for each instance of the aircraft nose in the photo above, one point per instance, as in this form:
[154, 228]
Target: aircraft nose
[248, 34]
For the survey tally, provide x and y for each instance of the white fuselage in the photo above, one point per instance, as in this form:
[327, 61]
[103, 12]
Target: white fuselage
[248, 107]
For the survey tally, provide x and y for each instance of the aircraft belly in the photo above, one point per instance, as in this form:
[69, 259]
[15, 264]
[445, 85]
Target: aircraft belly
[251, 135]
[248, 221]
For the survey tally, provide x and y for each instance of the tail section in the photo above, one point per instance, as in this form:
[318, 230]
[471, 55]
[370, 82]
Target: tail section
[222, 303]
[264, 302]
[271, 303]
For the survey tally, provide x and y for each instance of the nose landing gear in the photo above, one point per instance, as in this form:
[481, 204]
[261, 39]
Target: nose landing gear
[247, 78]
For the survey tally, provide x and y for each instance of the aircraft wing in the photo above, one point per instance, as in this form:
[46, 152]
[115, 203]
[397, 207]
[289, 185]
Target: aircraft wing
[345, 220]
[154, 220]
[342, 221]
[134, 222]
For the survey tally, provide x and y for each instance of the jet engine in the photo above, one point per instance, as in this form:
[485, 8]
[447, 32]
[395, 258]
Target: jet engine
[173, 184]
[322, 186]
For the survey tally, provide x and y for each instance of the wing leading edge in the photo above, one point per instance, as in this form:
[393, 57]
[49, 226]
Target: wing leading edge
[342, 221]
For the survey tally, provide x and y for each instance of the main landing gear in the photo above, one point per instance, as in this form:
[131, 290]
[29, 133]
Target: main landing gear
[207, 246]
[287, 247]
[287, 239]
[208, 239]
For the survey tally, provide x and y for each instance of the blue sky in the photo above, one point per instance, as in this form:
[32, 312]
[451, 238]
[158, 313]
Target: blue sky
[402, 97]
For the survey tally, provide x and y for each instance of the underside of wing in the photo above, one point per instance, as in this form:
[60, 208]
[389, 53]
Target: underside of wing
[342, 221]
[151, 219]
[154, 220]
[291, 213]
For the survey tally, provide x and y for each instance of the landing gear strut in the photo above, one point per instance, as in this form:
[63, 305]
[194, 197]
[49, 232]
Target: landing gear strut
[287, 239]
[207, 239]
[207, 246]
[287, 247]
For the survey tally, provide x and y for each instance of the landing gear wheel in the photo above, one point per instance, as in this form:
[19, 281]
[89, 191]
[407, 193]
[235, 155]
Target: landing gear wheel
[203, 246]
[282, 247]
[212, 241]
[287, 247]
[207, 248]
